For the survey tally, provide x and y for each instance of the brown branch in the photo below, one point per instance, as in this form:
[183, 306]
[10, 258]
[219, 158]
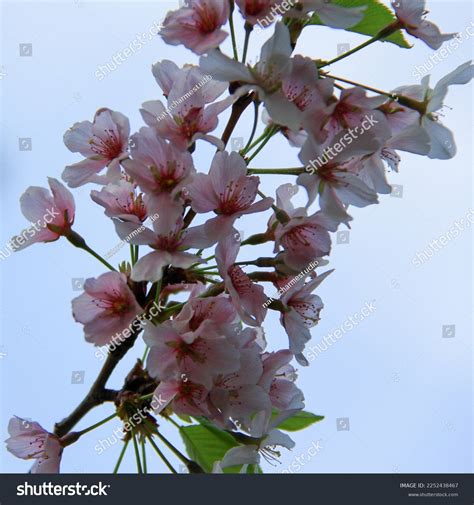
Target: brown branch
[98, 394]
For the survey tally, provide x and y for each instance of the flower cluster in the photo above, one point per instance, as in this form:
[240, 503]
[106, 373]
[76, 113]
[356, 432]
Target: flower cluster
[208, 355]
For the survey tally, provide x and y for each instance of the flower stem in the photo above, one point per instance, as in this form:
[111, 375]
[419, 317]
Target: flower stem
[384, 33]
[77, 241]
[137, 453]
[122, 454]
[96, 425]
[375, 90]
[276, 171]
[273, 130]
[246, 149]
[232, 30]
[145, 466]
[248, 31]
[256, 105]
[161, 455]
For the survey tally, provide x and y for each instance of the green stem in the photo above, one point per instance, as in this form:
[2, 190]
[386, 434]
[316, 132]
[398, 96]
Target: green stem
[96, 425]
[256, 105]
[384, 33]
[273, 130]
[161, 455]
[77, 241]
[172, 448]
[255, 142]
[276, 171]
[122, 454]
[375, 90]
[248, 31]
[132, 254]
[137, 453]
[145, 467]
[232, 30]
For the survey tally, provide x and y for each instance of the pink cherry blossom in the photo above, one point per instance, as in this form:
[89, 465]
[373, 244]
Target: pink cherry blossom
[107, 306]
[166, 73]
[161, 171]
[184, 396]
[431, 101]
[331, 14]
[51, 215]
[304, 309]
[265, 77]
[186, 118]
[248, 297]
[259, 11]
[227, 191]
[121, 200]
[169, 244]
[197, 358]
[29, 440]
[263, 442]
[103, 143]
[303, 238]
[411, 14]
[197, 26]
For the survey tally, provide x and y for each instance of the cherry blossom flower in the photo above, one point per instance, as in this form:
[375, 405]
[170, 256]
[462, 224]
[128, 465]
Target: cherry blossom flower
[166, 73]
[161, 170]
[238, 396]
[429, 102]
[107, 306]
[411, 14]
[265, 78]
[51, 215]
[184, 396]
[264, 440]
[227, 191]
[260, 12]
[278, 379]
[169, 244]
[303, 237]
[304, 309]
[121, 200]
[197, 26]
[199, 359]
[186, 118]
[336, 177]
[350, 111]
[103, 143]
[29, 440]
[248, 297]
[330, 14]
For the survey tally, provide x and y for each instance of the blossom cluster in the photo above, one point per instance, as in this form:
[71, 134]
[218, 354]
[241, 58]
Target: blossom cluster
[208, 355]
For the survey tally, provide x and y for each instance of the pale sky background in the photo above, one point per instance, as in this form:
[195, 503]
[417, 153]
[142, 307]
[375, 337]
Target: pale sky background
[404, 388]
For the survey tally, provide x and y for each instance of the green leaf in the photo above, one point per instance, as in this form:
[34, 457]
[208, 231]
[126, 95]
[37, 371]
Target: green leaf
[300, 421]
[376, 17]
[206, 444]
